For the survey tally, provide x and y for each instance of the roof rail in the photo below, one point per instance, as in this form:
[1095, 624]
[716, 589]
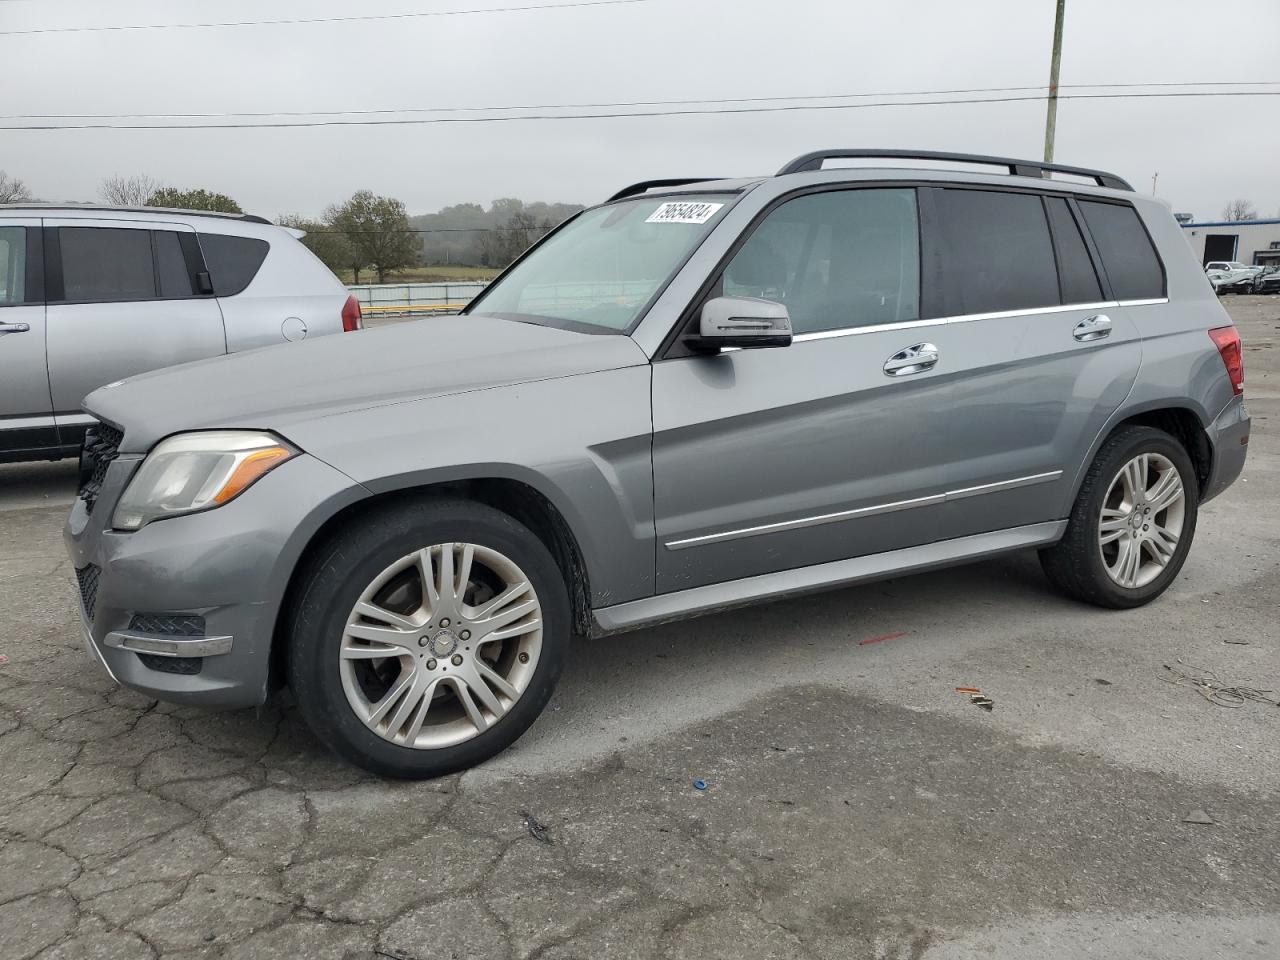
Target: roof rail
[644, 185]
[91, 207]
[1017, 168]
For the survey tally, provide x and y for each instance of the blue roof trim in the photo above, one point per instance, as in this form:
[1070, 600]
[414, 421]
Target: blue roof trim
[1230, 223]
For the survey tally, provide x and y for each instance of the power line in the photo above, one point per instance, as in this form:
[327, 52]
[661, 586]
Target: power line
[302, 20]
[623, 103]
[419, 121]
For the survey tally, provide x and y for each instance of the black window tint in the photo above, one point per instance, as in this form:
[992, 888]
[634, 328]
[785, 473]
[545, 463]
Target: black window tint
[1127, 255]
[848, 258]
[997, 252]
[105, 263]
[1075, 269]
[233, 262]
[171, 266]
[13, 265]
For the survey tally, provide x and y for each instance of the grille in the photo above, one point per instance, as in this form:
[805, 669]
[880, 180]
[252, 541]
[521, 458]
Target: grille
[185, 666]
[168, 624]
[87, 577]
[101, 446]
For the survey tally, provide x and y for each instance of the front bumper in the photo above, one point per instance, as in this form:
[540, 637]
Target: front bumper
[224, 571]
[1229, 436]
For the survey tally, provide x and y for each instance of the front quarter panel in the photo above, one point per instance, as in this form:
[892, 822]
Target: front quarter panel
[583, 442]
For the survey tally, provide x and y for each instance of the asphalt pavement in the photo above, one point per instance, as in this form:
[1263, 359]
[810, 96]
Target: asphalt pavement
[855, 806]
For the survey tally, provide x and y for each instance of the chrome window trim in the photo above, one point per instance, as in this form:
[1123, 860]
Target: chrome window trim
[971, 317]
[825, 518]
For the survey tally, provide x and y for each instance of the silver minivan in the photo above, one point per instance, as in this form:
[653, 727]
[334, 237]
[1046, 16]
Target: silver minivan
[90, 295]
[692, 396]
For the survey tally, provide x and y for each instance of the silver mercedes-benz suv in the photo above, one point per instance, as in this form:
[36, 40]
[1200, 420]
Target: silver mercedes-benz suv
[93, 294]
[692, 396]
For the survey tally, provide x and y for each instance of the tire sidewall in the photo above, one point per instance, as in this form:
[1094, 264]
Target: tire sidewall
[362, 552]
[1147, 440]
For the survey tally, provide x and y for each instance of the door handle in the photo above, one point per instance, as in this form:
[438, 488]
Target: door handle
[14, 327]
[914, 359]
[1092, 328]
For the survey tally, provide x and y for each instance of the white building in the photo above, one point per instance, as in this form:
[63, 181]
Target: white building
[1255, 242]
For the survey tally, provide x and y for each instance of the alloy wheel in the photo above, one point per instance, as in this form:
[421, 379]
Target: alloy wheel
[1141, 520]
[441, 645]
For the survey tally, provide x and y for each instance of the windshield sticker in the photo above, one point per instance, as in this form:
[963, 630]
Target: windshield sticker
[684, 213]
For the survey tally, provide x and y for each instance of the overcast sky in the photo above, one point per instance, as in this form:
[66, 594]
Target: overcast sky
[1207, 150]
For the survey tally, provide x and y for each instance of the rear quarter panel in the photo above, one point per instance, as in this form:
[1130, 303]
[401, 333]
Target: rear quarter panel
[1181, 367]
[291, 283]
[1180, 362]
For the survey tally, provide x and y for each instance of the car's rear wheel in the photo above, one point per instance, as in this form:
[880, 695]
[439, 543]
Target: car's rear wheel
[1132, 524]
[428, 638]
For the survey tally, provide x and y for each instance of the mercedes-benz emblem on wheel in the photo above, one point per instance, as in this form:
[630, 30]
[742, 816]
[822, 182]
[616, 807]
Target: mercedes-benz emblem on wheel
[444, 643]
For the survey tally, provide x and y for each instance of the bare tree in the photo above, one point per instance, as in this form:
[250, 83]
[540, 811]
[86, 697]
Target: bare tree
[132, 191]
[503, 244]
[1240, 209]
[11, 189]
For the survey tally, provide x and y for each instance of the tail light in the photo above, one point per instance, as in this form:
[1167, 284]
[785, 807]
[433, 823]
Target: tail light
[1227, 340]
[351, 318]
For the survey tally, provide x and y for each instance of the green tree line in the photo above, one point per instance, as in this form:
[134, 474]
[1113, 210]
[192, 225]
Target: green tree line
[371, 233]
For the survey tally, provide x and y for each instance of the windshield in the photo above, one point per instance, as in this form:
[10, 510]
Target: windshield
[600, 272]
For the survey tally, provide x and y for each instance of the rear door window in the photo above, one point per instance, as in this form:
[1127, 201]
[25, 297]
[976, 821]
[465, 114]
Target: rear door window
[106, 263]
[13, 265]
[1128, 257]
[232, 262]
[997, 254]
[1075, 268]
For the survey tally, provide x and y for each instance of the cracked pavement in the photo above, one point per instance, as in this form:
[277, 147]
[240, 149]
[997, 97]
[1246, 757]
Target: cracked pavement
[855, 807]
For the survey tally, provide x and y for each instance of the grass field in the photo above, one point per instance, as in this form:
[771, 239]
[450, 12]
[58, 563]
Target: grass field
[439, 274]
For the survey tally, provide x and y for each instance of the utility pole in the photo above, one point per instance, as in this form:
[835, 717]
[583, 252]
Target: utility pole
[1051, 118]
[1154, 177]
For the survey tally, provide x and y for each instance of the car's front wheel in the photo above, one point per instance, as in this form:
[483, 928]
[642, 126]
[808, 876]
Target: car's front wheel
[1132, 523]
[428, 637]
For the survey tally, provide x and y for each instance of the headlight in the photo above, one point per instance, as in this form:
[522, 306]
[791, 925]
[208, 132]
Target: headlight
[197, 471]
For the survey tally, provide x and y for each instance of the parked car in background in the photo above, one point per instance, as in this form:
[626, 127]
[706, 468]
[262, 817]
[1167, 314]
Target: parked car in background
[1231, 276]
[1231, 266]
[90, 295]
[696, 395]
[1268, 281]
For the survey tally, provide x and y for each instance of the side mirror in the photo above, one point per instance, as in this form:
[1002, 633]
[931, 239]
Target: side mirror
[743, 322]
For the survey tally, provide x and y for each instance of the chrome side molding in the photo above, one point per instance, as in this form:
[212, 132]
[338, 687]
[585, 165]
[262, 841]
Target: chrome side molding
[772, 586]
[814, 521]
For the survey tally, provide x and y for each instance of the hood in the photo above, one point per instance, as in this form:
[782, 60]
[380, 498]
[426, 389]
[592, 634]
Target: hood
[273, 387]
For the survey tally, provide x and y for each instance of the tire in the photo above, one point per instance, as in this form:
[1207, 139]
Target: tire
[341, 680]
[1083, 567]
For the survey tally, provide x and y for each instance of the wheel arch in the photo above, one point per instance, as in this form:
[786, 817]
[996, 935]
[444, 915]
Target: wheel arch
[1180, 420]
[518, 499]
